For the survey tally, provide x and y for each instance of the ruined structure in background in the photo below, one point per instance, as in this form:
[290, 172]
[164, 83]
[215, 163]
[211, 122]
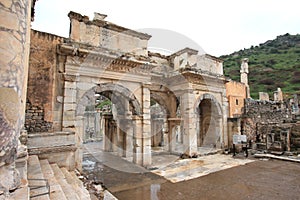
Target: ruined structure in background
[272, 125]
[244, 75]
[236, 93]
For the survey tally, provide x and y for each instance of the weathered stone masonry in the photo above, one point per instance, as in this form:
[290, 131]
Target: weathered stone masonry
[35, 121]
[266, 123]
[14, 50]
[101, 58]
[43, 111]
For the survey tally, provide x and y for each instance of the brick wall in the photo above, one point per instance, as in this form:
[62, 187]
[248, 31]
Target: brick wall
[35, 121]
[43, 82]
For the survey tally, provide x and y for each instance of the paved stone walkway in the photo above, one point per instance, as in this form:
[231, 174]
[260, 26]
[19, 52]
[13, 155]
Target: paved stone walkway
[182, 170]
[119, 174]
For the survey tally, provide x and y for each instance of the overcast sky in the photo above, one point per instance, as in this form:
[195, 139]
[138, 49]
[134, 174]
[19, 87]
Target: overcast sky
[217, 26]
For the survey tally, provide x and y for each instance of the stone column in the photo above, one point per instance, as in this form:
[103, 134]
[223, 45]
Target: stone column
[114, 135]
[189, 123]
[146, 127]
[107, 133]
[69, 106]
[79, 134]
[166, 134]
[137, 140]
[129, 139]
[172, 136]
[244, 75]
[224, 127]
[97, 126]
[14, 54]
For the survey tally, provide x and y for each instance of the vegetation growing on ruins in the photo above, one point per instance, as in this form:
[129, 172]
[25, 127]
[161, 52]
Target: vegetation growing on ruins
[273, 64]
[104, 103]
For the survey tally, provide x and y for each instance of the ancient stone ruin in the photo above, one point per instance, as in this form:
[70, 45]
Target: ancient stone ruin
[103, 84]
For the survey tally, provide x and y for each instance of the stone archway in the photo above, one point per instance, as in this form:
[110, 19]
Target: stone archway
[209, 132]
[115, 90]
[122, 135]
[160, 124]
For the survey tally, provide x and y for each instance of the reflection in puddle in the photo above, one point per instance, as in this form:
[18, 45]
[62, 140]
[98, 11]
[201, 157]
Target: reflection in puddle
[155, 188]
[88, 165]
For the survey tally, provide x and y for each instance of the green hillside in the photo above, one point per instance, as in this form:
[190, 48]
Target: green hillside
[273, 64]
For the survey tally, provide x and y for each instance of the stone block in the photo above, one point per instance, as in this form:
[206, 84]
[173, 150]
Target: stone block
[85, 86]
[69, 115]
[9, 20]
[70, 85]
[263, 96]
[68, 124]
[70, 99]
[70, 93]
[69, 106]
[9, 49]
[50, 139]
[6, 3]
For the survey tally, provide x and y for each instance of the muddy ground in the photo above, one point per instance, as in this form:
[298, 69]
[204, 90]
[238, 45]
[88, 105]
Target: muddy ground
[271, 179]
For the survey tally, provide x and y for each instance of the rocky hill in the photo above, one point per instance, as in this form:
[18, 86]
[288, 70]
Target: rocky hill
[275, 63]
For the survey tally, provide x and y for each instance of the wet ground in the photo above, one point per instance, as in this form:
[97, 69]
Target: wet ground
[270, 179]
[258, 180]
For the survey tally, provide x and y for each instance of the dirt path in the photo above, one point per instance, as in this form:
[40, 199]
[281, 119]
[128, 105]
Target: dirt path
[258, 180]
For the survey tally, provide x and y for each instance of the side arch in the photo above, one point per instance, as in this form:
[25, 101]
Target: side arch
[213, 100]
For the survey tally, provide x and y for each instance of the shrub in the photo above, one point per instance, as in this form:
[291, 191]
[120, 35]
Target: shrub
[267, 81]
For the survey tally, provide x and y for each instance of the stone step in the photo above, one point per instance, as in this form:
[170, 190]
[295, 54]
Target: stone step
[35, 172]
[66, 187]
[56, 191]
[20, 194]
[73, 181]
[77, 180]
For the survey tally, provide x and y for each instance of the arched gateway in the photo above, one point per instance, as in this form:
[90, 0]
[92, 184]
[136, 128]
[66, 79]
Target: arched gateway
[176, 102]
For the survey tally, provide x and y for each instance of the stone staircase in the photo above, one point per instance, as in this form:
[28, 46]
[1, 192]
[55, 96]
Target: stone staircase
[56, 183]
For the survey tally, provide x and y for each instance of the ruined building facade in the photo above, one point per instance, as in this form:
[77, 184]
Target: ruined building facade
[103, 59]
[102, 83]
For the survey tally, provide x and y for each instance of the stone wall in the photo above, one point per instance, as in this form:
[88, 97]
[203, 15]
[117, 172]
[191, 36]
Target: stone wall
[295, 137]
[35, 121]
[14, 49]
[44, 84]
[262, 112]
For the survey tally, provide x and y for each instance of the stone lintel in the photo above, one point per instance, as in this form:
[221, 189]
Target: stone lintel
[103, 55]
[205, 77]
[73, 70]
